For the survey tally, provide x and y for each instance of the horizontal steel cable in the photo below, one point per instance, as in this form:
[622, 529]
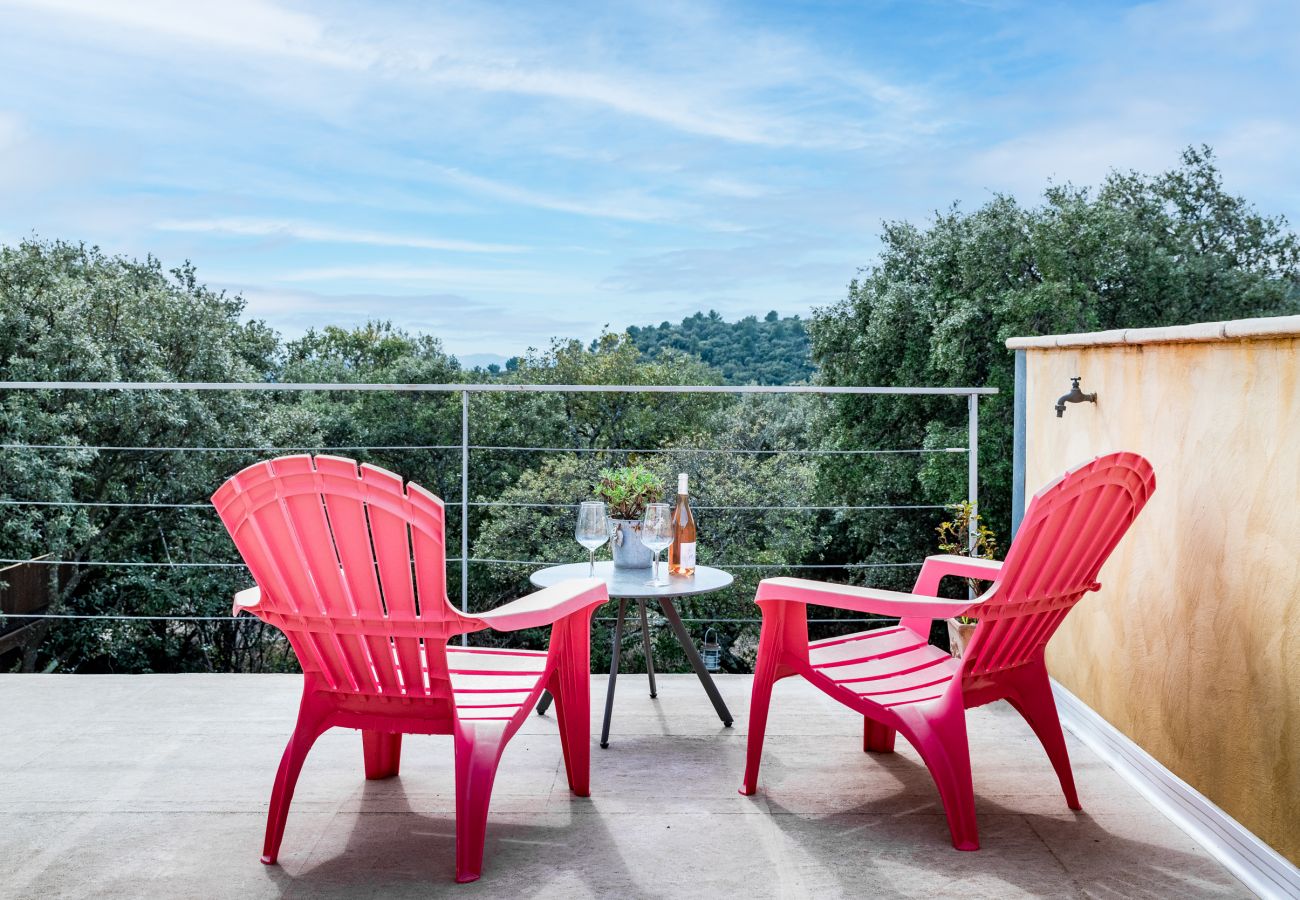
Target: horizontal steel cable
[720, 450]
[496, 388]
[251, 618]
[721, 508]
[224, 449]
[108, 563]
[453, 505]
[538, 562]
[706, 450]
[106, 504]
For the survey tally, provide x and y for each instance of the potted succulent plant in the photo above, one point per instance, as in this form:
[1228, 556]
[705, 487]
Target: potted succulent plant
[626, 491]
[955, 537]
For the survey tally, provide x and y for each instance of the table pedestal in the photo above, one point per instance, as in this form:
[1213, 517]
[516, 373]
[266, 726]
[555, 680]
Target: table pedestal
[688, 646]
[631, 584]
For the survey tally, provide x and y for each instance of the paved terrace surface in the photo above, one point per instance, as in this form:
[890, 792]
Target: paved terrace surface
[156, 786]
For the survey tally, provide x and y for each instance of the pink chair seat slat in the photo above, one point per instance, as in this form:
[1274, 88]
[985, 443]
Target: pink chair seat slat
[875, 634]
[870, 645]
[916, 659]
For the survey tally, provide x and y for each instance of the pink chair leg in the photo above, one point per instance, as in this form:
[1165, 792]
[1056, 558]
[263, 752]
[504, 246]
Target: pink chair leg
[478, 750]
[785, 631]
[940, 738]
[760, 700]
[1031, 695]
[312, 723]
[877, 738]
[570, 685]
[383, 752]
[770, 643]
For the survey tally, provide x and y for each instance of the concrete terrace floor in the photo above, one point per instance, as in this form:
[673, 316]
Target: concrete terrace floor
[156, 786]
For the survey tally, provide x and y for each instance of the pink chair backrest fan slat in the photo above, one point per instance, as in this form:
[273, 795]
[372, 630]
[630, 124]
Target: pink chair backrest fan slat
[352, 568]
[1068, 532]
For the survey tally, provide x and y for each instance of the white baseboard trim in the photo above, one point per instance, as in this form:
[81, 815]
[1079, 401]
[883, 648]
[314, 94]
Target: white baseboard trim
[1261, 868]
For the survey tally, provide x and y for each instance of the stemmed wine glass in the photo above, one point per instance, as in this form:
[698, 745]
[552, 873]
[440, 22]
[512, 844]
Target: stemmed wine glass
[592, 530]
[657, 534]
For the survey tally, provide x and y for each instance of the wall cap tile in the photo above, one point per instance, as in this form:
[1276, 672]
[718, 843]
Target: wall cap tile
[1272, 327]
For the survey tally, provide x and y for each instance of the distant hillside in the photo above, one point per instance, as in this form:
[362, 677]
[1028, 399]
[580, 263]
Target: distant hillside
[752, 351]
[483, 361]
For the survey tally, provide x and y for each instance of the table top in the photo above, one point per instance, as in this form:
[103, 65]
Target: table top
[631, 583]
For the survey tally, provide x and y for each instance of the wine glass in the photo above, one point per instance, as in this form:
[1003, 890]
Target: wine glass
[657, 534]
[592, 530]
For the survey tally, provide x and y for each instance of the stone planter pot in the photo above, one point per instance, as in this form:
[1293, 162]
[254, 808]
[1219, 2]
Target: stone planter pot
[629, 552]
[959, 635]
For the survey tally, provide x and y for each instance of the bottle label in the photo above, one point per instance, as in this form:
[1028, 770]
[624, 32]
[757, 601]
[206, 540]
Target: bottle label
[687, 558]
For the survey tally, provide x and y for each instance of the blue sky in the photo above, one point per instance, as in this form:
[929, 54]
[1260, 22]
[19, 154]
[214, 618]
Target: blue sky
[496, 174]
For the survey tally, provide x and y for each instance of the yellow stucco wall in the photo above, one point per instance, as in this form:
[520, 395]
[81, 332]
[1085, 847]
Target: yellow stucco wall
[1192, 647]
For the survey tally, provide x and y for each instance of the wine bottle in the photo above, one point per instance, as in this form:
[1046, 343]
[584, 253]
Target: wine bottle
[681, 554]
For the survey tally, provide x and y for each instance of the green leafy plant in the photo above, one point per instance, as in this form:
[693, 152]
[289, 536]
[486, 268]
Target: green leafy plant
[627, 490]
[955, 537]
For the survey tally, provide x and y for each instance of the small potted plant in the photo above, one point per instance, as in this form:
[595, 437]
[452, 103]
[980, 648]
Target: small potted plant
[626, 492]
[955, 537]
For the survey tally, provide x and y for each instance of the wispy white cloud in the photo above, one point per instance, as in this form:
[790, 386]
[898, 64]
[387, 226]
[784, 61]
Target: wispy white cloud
[1080, 153]
[675, 108]
[250, 26]
[306, 231]
[720, 96]
[629, 205]
[444, 278]
[474, 325]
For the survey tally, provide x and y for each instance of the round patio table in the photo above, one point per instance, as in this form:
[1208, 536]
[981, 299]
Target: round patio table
[630, 584]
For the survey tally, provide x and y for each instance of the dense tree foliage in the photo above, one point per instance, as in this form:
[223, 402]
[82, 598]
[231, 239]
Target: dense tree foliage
[347, 422]
[771, 350]
[741, 505]
[71, 313]
[934, 310]
[1140, 251]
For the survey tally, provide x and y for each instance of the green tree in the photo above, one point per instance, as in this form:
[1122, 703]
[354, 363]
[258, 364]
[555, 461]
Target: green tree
[72, 313]
[592, 420]
[1142, 250]
[771, 351]
[376, 352]
[735, 498]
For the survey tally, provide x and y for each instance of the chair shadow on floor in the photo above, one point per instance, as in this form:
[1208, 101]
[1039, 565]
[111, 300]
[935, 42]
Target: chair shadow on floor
[873, 845]
[394, 851]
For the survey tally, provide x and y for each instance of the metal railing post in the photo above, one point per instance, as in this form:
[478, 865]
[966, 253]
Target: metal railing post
[464, 508]
[973, 472]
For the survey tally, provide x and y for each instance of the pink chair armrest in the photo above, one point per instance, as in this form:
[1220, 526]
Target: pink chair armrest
[936, 568]
[547, 606]
[246, 601]
[858, 599]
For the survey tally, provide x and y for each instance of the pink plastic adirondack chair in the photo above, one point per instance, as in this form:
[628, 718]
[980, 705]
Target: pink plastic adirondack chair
[352, 568]
[899, 683]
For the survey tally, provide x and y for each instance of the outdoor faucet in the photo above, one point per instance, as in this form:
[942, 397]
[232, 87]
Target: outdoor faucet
[1075, 396]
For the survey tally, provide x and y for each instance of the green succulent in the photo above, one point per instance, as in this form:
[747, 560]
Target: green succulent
[626, 491]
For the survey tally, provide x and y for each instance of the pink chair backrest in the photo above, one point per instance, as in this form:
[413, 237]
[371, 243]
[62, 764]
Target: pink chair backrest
[1068, 532]
[351, 567]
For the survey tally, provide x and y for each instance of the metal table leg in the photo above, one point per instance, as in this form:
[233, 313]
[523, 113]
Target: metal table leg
[684, 638]
[649, 652]
[613, 673]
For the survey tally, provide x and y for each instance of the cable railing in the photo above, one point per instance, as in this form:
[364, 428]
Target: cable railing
[463, 503]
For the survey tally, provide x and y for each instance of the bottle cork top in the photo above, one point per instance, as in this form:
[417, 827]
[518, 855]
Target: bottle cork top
[681, 483]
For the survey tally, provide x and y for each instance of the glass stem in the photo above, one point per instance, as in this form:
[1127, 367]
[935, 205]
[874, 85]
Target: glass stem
[591, 572]
[656, 567]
